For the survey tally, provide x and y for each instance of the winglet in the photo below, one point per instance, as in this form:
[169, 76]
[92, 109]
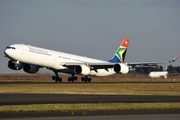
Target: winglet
[175, 59]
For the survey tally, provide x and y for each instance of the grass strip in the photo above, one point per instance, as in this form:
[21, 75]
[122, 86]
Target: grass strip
[87, 107]
[119, 88]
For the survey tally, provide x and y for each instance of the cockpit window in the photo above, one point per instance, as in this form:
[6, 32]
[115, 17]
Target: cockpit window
[11, 48]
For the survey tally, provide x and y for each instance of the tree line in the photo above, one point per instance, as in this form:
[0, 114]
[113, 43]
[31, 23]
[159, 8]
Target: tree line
[147, 70]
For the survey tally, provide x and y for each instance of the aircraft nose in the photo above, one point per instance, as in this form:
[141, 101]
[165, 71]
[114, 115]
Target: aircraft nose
[6, 52]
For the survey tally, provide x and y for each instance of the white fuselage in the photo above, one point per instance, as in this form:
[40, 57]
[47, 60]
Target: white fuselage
[52, 59]
[158, 74]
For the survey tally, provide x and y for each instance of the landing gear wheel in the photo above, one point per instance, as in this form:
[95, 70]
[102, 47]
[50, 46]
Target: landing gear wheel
[73, 78]
[82, 79]
[60, 79]
[56, 78]
[89, 80]
[85, 79]
[53, 77]
[69, 79]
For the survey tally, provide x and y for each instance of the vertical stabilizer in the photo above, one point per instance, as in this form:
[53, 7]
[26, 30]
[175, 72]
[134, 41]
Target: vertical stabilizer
[121, 52]
[166, 67]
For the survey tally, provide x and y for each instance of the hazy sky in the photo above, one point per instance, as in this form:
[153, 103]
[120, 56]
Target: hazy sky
[93, 28]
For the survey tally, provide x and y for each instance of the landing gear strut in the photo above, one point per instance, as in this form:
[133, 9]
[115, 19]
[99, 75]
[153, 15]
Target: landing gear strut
[72, 78]
[86, 79]
[56, 78]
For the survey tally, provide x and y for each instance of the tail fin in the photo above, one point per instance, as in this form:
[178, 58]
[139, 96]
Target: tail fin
[166, 67]
[120, 53]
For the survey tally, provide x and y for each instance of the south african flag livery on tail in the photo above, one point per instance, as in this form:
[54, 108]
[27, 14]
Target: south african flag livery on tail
[120, 53]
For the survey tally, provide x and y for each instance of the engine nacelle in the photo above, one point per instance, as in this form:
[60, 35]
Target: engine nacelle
[30, 68]
[121, 68]
[15, 65]
[82, 69]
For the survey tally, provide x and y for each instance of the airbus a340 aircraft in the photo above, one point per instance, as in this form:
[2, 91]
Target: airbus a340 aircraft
[158, 74]
[32, 58]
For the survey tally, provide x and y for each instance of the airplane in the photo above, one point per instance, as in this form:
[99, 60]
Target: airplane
[158, 74]
[30, 59]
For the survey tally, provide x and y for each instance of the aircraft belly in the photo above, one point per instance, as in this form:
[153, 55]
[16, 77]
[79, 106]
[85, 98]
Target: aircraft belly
[102, 72]
[69, 71]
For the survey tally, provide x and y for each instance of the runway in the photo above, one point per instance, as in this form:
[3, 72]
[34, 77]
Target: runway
[27, 82]
[96, 115]
[24, 99]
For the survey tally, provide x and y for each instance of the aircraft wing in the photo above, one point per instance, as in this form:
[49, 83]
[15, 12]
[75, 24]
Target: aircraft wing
[137, 64]
[93, 65]
[106, 65]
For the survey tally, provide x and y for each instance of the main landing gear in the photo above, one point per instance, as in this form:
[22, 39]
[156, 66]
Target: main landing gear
[56, 78]
[86, 79]
[72, 78]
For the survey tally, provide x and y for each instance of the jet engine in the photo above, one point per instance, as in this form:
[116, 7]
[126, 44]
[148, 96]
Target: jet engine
[82, 69]
[15, 65]
[121, 68]
[30, 68]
